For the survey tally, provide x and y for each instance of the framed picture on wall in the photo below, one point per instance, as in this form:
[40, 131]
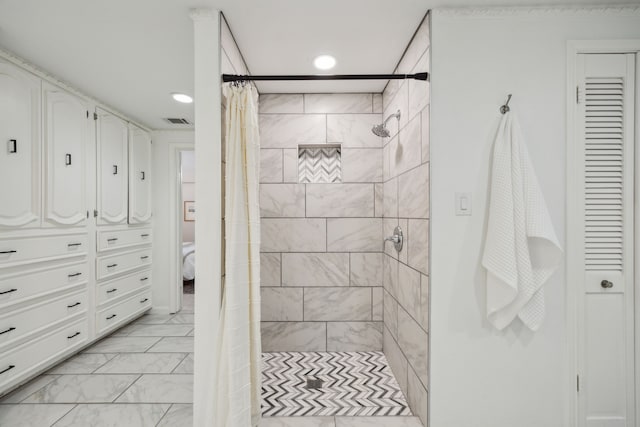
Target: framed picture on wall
[189, 210]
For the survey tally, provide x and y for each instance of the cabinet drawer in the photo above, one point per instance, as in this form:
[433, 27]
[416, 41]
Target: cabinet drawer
[17, 288]
[20, 362]
[110, 239]
[19, 324]
[119, 287]
[29, 249]
[117, 314]
[112, 265]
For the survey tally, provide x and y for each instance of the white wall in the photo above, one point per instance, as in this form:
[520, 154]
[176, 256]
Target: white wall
[162, 205]
[480, 377]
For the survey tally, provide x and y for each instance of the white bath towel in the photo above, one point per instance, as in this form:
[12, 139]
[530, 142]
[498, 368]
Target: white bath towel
[521, 249]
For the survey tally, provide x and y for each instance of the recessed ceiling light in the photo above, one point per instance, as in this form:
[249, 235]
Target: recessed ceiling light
[324, 62]
[181, 97]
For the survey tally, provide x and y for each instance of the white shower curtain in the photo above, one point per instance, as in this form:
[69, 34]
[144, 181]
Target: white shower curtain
[239, 349]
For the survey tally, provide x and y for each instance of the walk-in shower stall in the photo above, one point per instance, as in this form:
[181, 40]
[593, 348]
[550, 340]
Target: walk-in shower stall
[344, 252]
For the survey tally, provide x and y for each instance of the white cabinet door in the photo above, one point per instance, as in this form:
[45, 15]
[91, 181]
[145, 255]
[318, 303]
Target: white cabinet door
[112, 169]
[19, 147]
[606, 358]
[139, 175]
[66, 134]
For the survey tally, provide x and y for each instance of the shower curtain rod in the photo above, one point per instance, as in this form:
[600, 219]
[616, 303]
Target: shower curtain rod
[239, 78]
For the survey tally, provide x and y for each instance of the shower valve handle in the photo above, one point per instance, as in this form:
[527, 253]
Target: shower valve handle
[396, 238]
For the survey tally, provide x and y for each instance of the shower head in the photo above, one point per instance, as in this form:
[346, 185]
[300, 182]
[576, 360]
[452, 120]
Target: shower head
[381, 129]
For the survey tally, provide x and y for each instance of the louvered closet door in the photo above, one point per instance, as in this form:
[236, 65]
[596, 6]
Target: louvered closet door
[606, 308]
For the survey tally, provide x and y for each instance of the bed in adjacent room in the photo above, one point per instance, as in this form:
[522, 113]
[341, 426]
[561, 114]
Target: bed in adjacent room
[188, 260]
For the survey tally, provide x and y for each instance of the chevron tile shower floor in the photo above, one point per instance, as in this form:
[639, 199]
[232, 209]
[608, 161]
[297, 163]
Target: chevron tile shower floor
[353, 384]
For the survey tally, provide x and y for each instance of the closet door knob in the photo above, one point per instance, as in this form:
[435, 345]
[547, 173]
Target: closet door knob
[13, 146]
[606, 284]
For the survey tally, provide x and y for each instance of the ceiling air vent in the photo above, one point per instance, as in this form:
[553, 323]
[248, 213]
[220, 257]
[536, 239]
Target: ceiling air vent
[178, 121]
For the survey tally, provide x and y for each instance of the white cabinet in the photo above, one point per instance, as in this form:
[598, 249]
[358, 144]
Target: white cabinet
[112, 169]
[66, 134]
[19, 147]
[139, 176]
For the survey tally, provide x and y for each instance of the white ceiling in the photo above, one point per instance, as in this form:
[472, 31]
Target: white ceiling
[131, 54]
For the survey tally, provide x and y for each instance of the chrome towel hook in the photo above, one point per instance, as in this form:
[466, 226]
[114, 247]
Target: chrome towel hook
[505, 108]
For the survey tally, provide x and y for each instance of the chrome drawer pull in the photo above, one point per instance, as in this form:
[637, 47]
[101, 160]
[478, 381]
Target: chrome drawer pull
[112, 290]
[144, 257]
[73, 305]
[111, 317]
[144, 235]
[8, 369]
[8, 330]
[113, 239]
[8, 252]
[8, 292]
[73, 336]
[74, 275]
[112, 265]
[144, 300]
[144, 278]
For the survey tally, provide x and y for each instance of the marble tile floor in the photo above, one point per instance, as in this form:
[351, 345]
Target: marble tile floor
[139, 376]
[132, 380]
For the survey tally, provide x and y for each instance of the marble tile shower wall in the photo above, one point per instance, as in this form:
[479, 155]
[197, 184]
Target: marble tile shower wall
[406, 203]
[321, 244]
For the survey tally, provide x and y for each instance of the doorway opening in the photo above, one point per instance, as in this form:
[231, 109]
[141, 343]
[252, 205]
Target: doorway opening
[187, 230]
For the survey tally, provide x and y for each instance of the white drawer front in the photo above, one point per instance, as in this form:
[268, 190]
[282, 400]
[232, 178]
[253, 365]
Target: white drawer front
[109, 318]
[116, 264]
[17, 288]
[20, 362]
[30, 249]
[119, 287]
[110, 239]
[16, 325]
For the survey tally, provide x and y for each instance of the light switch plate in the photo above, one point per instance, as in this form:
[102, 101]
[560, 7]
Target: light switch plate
[463, 204]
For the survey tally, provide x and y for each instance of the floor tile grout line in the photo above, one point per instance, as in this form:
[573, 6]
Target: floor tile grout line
[165, 414]
[179, 363]
[125, 390]
[65, 414]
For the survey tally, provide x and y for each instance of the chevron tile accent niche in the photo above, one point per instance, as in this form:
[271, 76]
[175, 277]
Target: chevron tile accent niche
[318, 165]
[352, 384]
